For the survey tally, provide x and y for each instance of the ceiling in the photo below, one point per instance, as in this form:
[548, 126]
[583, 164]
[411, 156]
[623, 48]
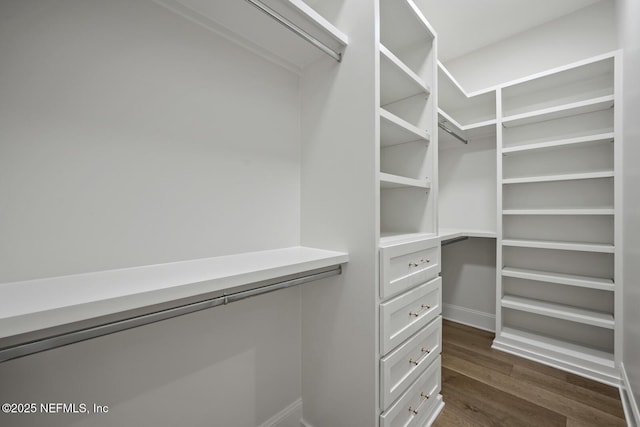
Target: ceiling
[464, 26]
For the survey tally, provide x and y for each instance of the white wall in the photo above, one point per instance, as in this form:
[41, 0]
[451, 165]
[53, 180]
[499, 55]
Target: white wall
[582, 34]
[469, 282]
[467, 185]
[129, 136]
[629, 25]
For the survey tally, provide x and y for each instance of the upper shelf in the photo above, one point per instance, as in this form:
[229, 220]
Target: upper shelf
[29, 307]
[563, 177]
[405, 15]
[397, 81]
[560, 143]
[559, 111]
[249, 26]
[468, 112]
[579, 82]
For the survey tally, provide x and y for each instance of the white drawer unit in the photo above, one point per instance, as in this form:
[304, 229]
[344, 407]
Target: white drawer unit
[406, 265]
[418, 403]
[406, 314]
[403, 365]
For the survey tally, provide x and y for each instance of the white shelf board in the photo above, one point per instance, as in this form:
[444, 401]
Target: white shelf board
[589, 139]
[447, 234]
[308, 14]
[392, 239]
[388, 180]
[567, 246]
[594, 211]
[466, 127]
[403, 14]
[395, 131]
[573, 351]
[251, 28]
[34, 305]
[563, 177]
[559, 278]
[397, 81]
[559, 311]
[566, 110]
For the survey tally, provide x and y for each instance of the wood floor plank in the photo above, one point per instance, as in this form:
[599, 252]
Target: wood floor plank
[486, 387]
[479, 358]
[580, 394]
[547, 399]
[492, 407]
[595, 386]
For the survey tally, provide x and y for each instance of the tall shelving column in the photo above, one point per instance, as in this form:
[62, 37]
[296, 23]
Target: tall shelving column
[409, 297]
[407, 110]
[557, 228]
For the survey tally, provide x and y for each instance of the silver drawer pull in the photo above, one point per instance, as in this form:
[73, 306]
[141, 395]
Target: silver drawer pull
[422, 307]
[425, 397]
[425, 352]
[422, 261]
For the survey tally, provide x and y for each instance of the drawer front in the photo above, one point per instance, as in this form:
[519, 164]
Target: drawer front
[404, 266]
[416, 405]
[406, 314]
[403, 365]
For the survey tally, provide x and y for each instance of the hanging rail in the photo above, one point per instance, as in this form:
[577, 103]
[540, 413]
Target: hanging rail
[82, 334]
[442, 126]
[454, 240]
[297, 30]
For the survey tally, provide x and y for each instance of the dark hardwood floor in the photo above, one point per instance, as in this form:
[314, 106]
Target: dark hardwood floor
[485, 387]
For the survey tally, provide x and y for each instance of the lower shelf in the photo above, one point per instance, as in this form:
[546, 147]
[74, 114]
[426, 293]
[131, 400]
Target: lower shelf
[588, 362]
[559, 311]
[559, 278]
[567, 246]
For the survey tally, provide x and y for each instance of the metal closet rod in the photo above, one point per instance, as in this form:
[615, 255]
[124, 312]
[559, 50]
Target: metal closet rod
[452, 133]
[454, 240]
[297, 30]
[37, 346]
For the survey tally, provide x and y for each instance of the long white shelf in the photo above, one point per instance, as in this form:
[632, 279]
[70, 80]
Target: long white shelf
[31, 306]
[567, 246]
[588, 139]
[394, 130]
[559, 311]
[253, 29]
[567, 353]
[447, 233]
[388, 180]
[563, 177]
[586, 211]
[397, 81]
[566, 110]
[559, 278]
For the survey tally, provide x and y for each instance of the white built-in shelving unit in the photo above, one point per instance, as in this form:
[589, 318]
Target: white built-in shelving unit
[558, 229]
[407, 120]
[409, 299]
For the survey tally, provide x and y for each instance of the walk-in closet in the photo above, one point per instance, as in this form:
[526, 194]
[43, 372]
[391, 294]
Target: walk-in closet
[305, 213]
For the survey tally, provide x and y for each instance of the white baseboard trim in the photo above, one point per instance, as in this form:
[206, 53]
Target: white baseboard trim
[469, 317]
[288, 417]
[631, 411]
